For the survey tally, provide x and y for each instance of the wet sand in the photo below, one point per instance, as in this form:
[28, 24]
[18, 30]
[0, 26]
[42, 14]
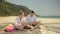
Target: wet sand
[48, 25]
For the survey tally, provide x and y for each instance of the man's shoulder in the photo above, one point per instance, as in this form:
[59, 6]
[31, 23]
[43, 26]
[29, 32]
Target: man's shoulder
[34, 15]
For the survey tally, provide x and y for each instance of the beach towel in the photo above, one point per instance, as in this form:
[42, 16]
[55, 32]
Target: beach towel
[9, 28]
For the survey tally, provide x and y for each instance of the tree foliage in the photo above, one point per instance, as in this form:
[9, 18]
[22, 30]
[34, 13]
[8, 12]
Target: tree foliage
[9, 9]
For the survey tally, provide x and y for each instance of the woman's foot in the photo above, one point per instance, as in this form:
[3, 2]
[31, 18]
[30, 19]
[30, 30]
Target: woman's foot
[31, 28]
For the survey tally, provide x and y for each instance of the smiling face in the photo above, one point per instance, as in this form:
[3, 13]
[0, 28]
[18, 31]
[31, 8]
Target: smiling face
[32, 14]
[21, 14]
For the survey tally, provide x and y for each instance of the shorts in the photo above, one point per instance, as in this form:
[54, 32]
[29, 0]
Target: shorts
[34, 25]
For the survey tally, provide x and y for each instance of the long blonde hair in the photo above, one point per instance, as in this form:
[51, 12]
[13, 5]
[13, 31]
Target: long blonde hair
[21, 12]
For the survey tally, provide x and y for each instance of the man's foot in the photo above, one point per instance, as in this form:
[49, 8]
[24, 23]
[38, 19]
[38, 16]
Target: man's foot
[37, 27]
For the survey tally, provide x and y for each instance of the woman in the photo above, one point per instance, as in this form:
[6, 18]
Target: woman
[20, 21]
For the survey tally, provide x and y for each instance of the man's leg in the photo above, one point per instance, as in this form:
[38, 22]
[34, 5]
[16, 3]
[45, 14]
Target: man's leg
[37, 25]
[29, 26]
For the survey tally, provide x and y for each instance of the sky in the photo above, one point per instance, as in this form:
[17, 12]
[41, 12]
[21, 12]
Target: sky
[41, 7]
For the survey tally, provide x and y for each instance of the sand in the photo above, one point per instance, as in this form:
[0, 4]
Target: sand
[48, 25]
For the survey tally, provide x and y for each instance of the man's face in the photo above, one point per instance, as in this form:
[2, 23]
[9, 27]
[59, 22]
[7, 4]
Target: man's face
[32, 14]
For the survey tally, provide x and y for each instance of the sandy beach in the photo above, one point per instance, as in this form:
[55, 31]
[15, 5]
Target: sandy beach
[49, 25]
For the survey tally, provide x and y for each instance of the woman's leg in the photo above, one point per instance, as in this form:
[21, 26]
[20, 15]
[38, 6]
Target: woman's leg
[18, 27]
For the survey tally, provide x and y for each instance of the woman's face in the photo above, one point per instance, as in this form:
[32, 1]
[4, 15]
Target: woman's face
[21, 15]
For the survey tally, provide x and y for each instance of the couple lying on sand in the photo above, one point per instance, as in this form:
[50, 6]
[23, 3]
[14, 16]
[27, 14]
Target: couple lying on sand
[29, 22]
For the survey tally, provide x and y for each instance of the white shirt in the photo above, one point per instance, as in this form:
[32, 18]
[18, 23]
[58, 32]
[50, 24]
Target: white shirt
[30, 19]
[18, 22]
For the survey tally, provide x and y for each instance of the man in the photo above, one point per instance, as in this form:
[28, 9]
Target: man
[31, 20]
